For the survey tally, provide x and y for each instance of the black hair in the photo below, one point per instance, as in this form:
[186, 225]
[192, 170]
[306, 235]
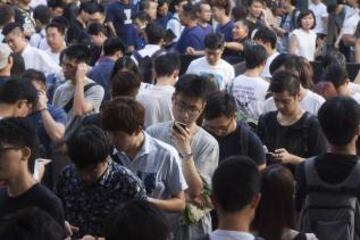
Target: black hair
[8, 28]
[125, 63]
[127, 219]
[60, 27]
[56, 4]
[267, 36]
[35, 75]
[335, 74]
[43, 14]
[166, 64]
[239, 13]
[155, 33]
[224, 4]
[125, 83]
[16, 89]
[194, 86]
[90, 7]
[235, 182]
[142, 16]
[220, 104]
[112, 45]
[304, 14]
[255, 56]
[30, 223]
[18, 67]
[285, 80]
[250, 2]
[6, 14]
[214, 41]
[190, 11]
[278, 62]
[19, 132]
[333, 57]
[339, 119]
[61, 20]
[78, 52]
[88, 146]
[96, 28]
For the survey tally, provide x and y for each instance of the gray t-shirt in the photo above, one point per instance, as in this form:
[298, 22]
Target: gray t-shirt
[65, 92]
[205, 150]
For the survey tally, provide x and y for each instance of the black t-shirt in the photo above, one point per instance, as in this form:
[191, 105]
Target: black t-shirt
[332, 168]
[3, 79]
[37, 196]
[231, 145]
[74, 32]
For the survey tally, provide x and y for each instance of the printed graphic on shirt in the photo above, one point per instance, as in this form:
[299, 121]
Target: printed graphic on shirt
[218, 78]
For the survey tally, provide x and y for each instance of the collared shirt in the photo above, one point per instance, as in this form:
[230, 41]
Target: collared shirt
[157, 164]
[230, 235]
[148, 50]
[39, 60]
[101, 74]
[86, 206]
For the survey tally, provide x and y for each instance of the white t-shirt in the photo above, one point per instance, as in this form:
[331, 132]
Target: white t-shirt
[350, 24]
[320, 12]
[230, 235]
[148, 50]
[38, 40]
[54, 56]
[175, 26]
[356, 97]
[306, 42]
[310, 103]
[354, 88]
[266, 71]
[249, 93]
[223, 72]
[157, 103]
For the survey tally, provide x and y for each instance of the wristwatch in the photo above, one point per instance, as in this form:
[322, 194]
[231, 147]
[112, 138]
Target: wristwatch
[185, 156]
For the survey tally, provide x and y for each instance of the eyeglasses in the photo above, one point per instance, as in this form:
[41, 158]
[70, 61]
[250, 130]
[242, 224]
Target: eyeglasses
[6, 149]
[219, 131]
[192, 111]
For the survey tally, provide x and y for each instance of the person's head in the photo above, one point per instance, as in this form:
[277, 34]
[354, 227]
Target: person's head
[97, 15]
[125, 83]
[86, 10]
[55, 36]
[17, 97]
[42, 15]
[220, 114]
[238, 13]
[266, 38]
[278, 62]
[255, 56]
[14, 36]
[71, 57]
[338, 76]
[7, 14]
[125, 222]
[141, 20]
[125, 63]
[221, 9]
[155, 33]
[255, 8]
[57, 7]
[189, 99]
[288, 4]
[63, 21]
[214, 47]
[168, 65]
[188, 14]
[276, 208]
[306, 20]
[333, 57]
[339, 119]
[285, 89]
[30, 223]
[149, 7]
[123, 118]
[178, 5]
[240, 30]
[326, 89]
[114, 47]
[6, 59]
[88, 148]
[162, 8]
[204, 11]
[236, 186]
[37, 79]
[97, 33]
[18, 67]
[18, 148]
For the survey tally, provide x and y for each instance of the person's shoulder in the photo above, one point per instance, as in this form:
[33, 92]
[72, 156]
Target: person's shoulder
[44, 194]
[157, 145]
[312, 96]
[268, 117]
[205, 137]
[158, 126]
[198, 61]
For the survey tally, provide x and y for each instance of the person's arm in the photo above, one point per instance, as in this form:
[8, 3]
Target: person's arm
[112, 28]
[357, 50]
[235, 46]
[283, 156]
[348, 39]
[293, 45]
[175, 204]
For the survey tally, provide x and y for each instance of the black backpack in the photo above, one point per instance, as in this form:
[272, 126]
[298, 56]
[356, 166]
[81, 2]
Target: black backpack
[147, 65]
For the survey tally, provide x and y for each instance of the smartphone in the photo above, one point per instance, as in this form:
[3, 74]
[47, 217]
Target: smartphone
[178, 125]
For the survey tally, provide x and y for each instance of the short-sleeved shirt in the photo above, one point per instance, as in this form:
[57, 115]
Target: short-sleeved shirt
[320, 13]
[207, 29]
[226, 30]
[191, 37]
[37, 196]
[65, 92]
[232, 144]
[86, 206]
[121, 16]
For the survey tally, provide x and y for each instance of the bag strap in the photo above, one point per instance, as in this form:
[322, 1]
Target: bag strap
[300, 236]
[158, 53]
[70, 103]
[305, 131]
[137, 56]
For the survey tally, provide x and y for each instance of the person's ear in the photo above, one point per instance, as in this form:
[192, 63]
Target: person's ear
[26, 153]
[255, 201]
[175, 74]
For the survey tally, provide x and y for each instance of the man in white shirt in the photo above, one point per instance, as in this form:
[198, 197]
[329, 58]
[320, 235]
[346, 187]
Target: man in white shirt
[212, 64]
[321, 16]
[249, 89]
[33, 57]
[174, 23]
[156, 99]
[267, 39]
[55, 37]
[236, 195]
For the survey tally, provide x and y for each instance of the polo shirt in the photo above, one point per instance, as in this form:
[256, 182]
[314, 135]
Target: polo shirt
[191, 37]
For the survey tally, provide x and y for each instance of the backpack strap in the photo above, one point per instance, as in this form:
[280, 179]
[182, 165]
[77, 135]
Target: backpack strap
[158, 53]
[70, 103]
[305, 131]
[137, 56]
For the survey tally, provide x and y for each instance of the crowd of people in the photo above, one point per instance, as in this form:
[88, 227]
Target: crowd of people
[179, 120]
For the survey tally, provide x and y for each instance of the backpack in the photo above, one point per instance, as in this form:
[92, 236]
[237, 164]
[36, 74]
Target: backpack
[147, 65]
[331, 211]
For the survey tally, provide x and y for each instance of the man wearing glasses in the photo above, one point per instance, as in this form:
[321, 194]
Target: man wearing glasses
[212, 64]
[234, 138]
[198, 150]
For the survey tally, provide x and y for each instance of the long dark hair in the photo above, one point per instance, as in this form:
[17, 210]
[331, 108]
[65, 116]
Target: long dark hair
[276, 209]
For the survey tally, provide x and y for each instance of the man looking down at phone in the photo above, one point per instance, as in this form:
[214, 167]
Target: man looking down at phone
[198, 150]
[79, 95]
[156, 163]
